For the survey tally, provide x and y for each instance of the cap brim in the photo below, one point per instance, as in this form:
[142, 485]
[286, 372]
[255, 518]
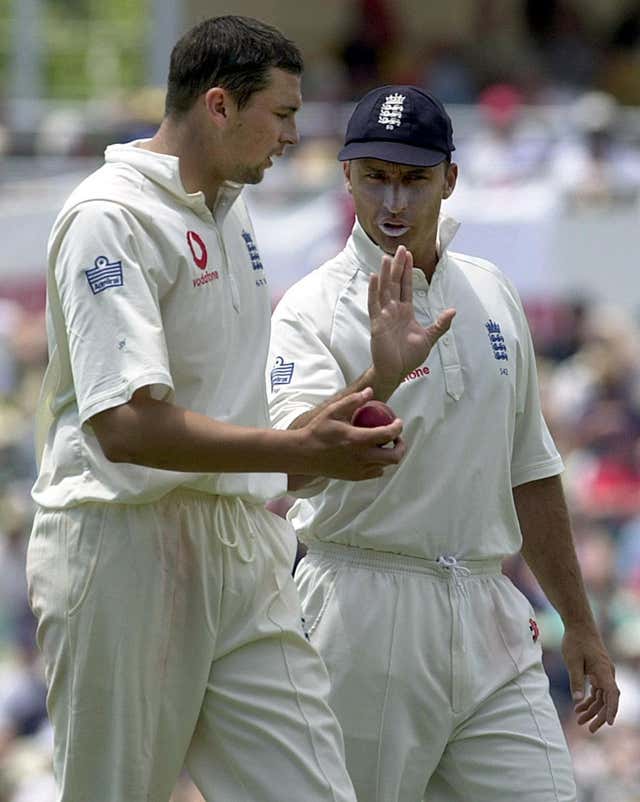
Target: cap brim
[396, 152]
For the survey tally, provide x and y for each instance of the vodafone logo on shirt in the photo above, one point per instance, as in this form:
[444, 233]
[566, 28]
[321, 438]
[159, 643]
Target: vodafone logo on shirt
[198, 249]
[200, 257]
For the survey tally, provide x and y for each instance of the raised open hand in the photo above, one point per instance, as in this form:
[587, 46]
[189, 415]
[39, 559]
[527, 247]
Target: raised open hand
[399, 344]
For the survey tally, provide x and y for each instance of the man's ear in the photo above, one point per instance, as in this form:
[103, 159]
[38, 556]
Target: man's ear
[451, 178]
[346, 169]
[218, 103]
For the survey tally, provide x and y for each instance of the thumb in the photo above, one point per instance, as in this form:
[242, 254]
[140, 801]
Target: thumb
[442, 324]
[576, 679]
[344, 408]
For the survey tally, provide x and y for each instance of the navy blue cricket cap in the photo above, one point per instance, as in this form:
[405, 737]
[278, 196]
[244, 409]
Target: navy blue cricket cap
[402, 124]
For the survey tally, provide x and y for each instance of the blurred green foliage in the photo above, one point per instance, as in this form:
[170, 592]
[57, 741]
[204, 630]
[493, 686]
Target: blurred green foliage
[88, 48]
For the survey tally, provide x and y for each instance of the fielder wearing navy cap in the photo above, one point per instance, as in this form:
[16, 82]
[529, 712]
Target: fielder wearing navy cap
[402, 124]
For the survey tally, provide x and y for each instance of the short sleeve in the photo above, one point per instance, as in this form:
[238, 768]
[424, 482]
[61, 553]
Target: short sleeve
[534, 455]
[104, 271]
[301, 370]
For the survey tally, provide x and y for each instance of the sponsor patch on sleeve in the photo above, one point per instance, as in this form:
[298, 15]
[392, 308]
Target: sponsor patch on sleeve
[104, 275]
[282, 372]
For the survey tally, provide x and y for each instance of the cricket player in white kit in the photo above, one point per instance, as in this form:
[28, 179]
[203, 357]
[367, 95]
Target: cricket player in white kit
[167, 614]
[434, 656]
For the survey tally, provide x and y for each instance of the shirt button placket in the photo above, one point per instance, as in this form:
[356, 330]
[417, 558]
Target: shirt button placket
[447, 349]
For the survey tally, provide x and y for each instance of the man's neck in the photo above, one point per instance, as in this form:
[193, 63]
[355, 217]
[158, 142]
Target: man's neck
[178, 138]
[427, 262]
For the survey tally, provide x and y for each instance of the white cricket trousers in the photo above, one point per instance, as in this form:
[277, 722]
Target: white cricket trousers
[436, 678]
[172, 636]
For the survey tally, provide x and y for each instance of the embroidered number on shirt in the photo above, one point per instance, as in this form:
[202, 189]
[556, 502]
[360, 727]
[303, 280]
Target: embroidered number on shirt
[282, 373]
[104, 275]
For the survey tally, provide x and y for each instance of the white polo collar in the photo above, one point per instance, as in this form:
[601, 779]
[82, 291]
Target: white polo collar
[369, 255]
[164, 170]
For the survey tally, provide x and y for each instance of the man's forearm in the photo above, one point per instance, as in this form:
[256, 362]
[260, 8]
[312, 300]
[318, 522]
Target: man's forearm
[156, 434]
[161, 435]
[548, 548]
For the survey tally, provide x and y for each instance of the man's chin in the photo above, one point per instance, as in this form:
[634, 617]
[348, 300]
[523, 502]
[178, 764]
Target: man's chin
[389, 244]
[251, 175]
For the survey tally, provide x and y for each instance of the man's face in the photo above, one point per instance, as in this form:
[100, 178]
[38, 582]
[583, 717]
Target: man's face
[263, 128]
[398, 204]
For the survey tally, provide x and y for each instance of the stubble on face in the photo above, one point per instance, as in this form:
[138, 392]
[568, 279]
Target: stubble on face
[265, 127]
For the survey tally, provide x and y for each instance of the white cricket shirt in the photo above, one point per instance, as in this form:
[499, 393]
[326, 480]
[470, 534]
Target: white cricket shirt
[473, 425]
[147, 287]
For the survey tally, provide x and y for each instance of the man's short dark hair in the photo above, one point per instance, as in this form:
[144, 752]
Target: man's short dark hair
[233, 52]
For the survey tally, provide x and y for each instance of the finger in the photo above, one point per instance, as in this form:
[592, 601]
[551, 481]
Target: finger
[372, 472]
[598, 721]
[373, 300]
[344, 408]
[380, 436]
[612, 700]
[575, 667]
[406, 288]
[397, 270]
[592, 710]
[604, 680]
[384, 281]
[389, 434]
[585, 704]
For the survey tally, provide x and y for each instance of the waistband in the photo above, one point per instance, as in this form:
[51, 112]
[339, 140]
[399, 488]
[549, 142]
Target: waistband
[443, 566]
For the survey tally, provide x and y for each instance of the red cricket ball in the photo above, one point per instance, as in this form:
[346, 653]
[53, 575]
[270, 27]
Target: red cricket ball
[373, 413]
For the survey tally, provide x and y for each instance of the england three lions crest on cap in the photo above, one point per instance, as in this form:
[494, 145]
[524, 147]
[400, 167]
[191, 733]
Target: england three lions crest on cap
[104, 275]
[497, 340]
[282, 372]
[391, 111]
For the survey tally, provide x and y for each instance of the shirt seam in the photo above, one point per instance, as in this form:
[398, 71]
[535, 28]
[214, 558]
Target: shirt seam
[537, 470]
[342, 291]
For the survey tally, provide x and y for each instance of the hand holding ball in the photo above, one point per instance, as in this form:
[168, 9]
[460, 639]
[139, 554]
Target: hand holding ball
[372, 414]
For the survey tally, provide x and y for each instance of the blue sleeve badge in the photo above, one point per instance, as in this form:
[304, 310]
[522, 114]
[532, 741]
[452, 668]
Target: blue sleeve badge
[104, 275]
[282, 373]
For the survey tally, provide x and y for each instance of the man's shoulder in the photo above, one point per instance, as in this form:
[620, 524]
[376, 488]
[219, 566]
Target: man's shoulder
[474, 264]
[110, 185]
[322, 287]
[482, 273]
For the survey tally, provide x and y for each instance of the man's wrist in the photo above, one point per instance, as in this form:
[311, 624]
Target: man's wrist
[383, 387]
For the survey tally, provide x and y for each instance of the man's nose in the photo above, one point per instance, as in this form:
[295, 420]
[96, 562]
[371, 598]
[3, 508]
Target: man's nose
[290, 134]
[395, 198]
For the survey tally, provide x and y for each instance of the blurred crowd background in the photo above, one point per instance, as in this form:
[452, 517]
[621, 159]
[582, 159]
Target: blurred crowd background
[545, 99]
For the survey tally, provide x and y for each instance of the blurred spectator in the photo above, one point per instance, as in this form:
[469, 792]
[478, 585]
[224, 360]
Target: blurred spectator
[621, 74]
[593, 167]
[448, 73]
[370, 43]
[564, 47]
[594, 404]
[504, 151]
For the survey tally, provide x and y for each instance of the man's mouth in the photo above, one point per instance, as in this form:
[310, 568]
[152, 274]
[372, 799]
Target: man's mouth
[393, 229]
